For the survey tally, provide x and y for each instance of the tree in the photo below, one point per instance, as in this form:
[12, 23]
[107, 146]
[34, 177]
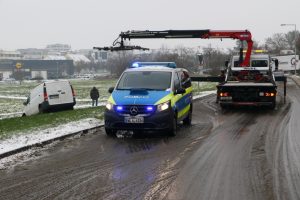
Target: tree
[276, 43]
[290, 39]
[214, 59]
[18, 75]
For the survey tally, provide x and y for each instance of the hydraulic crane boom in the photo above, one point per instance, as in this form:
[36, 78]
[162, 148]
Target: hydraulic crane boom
[243, 35]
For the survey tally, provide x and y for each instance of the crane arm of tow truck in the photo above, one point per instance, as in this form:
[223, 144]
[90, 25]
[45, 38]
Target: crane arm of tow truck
[243, 35]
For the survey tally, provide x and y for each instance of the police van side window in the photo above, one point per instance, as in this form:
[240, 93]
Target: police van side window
[185, 80]
[176, 81]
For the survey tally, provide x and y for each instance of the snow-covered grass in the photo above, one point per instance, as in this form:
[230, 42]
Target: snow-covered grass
[12, 95]
[41, 135]
[24, 125]
[199, 87]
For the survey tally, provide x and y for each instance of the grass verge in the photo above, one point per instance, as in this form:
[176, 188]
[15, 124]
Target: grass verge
[18, 125]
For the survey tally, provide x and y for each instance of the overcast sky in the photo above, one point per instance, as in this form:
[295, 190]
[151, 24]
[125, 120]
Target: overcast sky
[88, 23]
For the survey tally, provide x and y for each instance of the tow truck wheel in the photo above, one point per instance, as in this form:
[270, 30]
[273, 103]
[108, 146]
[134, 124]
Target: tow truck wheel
[173, 130]
[273, 105]
[188, 119]
[110, 132]
[225, 106]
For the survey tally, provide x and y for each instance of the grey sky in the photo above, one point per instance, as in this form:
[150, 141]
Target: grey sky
[88, 23]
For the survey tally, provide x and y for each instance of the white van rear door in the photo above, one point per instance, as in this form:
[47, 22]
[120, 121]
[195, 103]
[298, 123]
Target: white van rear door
[59, 92]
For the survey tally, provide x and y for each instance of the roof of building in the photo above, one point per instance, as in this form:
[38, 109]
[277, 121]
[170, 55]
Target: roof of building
[78, 58]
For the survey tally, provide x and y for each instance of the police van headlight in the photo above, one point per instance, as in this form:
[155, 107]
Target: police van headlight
[109, 106]
[163, 106]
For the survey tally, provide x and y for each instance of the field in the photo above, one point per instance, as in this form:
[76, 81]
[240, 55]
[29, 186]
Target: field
[13, 95]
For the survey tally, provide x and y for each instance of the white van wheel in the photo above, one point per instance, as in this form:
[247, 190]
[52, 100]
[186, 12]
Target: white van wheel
[40, 109]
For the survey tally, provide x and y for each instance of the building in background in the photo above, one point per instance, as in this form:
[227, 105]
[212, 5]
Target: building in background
[61, 48]
[13, 55]
[33, 53]
[37, 69]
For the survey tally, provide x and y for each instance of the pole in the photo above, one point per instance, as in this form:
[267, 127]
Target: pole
[57, 70]
[295, 48]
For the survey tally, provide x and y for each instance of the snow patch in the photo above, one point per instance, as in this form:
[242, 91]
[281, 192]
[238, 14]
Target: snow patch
[38, 136]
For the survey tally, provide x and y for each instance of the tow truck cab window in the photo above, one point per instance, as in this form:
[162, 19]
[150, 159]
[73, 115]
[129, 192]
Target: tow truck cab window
[154, 80]
[259, 63]
[185, 80]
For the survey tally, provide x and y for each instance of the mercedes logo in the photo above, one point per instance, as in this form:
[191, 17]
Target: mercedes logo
[134, 110]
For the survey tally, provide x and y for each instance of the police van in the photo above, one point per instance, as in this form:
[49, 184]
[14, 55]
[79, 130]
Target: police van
[152, 96]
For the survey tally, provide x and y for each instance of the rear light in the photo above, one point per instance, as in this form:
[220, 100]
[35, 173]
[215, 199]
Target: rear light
[45, 93]
[267, 94]
[45, 96]
[224, 94]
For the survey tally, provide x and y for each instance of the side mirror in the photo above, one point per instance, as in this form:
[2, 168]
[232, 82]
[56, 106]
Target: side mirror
[179, 91]
[111, 89]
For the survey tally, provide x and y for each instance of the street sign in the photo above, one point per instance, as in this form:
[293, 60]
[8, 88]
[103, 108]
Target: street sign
[18, 65]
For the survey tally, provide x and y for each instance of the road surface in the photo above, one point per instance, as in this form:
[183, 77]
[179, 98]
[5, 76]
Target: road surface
[245, 153]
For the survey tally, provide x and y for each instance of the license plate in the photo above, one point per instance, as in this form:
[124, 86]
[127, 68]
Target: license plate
[55, 96]
[134, 120]
[226, 98]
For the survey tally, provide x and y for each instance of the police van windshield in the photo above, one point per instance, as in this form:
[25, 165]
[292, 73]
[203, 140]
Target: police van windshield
[145, 80]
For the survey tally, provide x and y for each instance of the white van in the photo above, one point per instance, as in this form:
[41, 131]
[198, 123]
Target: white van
[50, 96]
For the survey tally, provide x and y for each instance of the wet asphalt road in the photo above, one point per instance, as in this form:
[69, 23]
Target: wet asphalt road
[245, 153]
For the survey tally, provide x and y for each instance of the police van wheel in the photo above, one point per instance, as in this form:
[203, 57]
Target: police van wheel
[173, 130]
[188, 119]
[110, 132]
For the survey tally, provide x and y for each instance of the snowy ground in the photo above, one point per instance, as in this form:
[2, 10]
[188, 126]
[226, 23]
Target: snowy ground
[38, 136]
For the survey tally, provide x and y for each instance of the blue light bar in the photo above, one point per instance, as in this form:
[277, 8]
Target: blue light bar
[156, 64]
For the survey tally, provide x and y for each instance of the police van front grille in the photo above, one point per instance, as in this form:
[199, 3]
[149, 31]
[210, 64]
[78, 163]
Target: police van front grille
[135, 109]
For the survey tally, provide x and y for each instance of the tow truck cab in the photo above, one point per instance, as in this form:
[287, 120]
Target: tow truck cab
[253, 85]
[149, 96]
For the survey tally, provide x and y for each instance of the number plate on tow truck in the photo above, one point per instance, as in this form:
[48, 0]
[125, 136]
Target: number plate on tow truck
[134, 120]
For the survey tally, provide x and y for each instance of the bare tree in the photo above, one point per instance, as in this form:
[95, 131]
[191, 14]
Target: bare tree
[276, 43]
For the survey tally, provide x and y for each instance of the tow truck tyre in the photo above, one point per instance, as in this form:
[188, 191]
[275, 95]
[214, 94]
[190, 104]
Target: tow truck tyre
[188, 119]
[173, 130]
[223, 106]
[273, 105]
[110, 132]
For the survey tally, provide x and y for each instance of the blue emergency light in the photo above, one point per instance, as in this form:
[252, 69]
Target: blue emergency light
[154, 64]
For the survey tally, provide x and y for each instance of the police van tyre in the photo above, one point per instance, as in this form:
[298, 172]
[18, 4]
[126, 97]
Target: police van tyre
[173, 130]
[110, 132]
[188, 119]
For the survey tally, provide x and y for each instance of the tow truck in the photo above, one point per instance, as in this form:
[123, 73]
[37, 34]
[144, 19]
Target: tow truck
[246, 81]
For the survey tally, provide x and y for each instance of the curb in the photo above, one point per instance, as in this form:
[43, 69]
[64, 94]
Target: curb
[46, 142]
